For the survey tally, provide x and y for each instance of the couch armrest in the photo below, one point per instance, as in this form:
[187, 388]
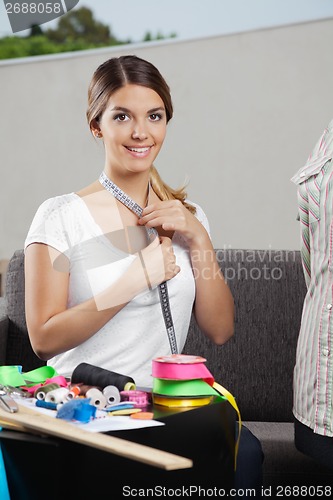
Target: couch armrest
[4, 322]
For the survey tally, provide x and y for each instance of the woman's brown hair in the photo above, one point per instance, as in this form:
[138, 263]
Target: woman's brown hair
[116, 73]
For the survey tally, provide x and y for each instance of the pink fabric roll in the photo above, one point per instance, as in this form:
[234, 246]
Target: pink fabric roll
[181, 367]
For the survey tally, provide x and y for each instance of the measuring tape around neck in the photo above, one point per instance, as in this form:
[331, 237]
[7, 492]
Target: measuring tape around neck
[162, 288]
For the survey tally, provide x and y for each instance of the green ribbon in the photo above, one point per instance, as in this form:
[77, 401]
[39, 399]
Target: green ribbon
[12, 375]
[183, 388]
[39, 375]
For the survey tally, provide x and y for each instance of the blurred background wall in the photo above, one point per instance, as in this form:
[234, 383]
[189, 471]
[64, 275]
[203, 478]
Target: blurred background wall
[249, 107]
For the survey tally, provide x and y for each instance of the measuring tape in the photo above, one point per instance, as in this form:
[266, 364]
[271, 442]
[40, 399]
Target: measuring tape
[162, 288]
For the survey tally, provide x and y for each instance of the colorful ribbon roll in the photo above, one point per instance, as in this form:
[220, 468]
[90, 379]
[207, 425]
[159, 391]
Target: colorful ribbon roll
[182, 380]
[182, 388]
[181, 367]
[13, 375]
[232, 401]
[182, 402]
[59, 380]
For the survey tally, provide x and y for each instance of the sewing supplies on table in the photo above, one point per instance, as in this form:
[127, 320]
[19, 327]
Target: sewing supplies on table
[181, 380]
[42, 390]
[79, 409]
[57, 396]
[92, 375]
[41, 403]
[96, 397]
[109, 392]
[112, 394]
[140, 398]
[93, 391]
[7, 402]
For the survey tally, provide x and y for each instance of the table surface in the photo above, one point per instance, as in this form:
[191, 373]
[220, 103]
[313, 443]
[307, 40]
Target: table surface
[204, 434]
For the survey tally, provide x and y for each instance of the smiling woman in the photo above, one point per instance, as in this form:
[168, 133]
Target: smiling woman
[124, 262]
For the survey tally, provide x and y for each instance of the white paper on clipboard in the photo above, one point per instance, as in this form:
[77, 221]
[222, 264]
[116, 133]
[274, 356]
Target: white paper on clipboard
[103, 423]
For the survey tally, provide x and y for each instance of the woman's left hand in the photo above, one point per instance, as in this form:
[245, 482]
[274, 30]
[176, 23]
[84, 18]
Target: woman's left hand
[215, 316]
[171, 215]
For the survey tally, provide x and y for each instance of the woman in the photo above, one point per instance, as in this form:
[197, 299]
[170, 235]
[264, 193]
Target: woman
[109, 255]
[313, 373]
[97, 298]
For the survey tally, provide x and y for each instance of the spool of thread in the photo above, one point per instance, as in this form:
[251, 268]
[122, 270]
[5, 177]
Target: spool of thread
[88, 374]
[57, 395]
[96, 397]
[111, 394]
[74, 392]
[140, 398]
[79, 389]
[41, 392]
[129, 386]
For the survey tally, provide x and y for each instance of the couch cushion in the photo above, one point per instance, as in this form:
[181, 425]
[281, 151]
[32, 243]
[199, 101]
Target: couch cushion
[19, 350]
[3, 330]
[256, 365]
[15, 289]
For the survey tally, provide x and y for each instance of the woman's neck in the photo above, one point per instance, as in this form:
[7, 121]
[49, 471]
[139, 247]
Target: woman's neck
[134, 185]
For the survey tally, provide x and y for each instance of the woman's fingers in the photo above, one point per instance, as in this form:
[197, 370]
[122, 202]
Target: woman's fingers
[160, 260]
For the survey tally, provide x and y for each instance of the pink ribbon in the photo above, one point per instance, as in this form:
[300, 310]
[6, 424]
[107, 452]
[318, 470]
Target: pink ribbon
[165, 368]
[59, 379]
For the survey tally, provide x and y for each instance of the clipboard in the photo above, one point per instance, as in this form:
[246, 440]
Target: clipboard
[26, 419]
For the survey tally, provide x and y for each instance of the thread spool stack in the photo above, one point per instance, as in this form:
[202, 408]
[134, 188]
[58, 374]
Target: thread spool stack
[182, 380]
[95, 376]
[57, 396]
[102, 386]
[41, 392]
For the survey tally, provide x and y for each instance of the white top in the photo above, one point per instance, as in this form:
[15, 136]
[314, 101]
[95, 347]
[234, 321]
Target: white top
[136, 335]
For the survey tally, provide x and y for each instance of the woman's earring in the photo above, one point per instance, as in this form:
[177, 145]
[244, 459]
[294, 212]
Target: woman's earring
[98, 135]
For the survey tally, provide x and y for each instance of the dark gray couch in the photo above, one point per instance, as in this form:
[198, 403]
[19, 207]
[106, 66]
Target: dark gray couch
[256, 365]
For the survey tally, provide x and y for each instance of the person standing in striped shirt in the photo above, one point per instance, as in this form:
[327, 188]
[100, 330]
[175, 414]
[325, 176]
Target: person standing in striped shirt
[313, 372]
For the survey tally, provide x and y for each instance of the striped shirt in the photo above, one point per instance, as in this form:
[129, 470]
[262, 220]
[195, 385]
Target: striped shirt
[313, 372]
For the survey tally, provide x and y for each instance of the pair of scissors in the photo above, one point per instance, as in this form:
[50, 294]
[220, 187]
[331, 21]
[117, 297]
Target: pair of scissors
[6, 401]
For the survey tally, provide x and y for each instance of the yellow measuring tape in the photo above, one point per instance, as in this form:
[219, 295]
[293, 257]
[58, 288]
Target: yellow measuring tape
[233, 403]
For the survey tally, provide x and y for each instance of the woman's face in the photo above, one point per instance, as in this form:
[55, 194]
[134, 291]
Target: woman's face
[133, 127]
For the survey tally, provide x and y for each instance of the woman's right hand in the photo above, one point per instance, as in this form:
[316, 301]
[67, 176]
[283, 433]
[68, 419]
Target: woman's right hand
[160, 261]
[53, 326]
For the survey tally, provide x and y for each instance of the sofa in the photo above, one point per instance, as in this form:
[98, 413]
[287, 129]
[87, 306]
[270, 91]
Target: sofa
[255, 365]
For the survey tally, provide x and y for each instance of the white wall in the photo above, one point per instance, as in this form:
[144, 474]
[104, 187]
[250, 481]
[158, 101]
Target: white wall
[248, 109]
